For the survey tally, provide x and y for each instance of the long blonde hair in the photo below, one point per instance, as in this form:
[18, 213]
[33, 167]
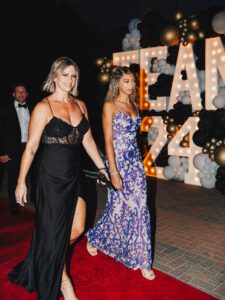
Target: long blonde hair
[113, 91]
[58, 67]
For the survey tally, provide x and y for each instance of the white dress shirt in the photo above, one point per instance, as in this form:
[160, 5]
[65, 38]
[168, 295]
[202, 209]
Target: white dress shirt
[24, 119]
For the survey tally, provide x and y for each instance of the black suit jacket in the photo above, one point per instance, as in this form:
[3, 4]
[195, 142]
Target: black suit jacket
[10, 131]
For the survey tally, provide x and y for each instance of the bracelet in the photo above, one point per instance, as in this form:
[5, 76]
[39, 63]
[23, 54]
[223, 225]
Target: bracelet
[23, 182]
[103, 168]
[114, 173]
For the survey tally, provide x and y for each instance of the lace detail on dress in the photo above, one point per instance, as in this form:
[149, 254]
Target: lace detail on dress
[58, 131]
[70, 139]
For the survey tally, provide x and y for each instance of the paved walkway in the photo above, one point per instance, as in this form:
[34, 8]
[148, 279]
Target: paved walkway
[190, 233]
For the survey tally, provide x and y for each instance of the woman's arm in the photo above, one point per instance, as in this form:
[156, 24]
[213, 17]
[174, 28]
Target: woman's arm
[107, 118]
[37, 124]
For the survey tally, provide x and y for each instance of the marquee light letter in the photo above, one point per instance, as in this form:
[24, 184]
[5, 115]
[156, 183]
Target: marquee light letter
[126, 58]
[185, 61]
[156, 146]
[174, 148]
[215, 60]
[147, 78]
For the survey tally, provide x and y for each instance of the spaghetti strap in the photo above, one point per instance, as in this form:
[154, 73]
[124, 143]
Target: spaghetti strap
[136, 109]
[49, 105]
[79, 107]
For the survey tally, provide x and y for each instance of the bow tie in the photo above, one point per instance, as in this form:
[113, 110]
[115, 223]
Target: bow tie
[22, 105]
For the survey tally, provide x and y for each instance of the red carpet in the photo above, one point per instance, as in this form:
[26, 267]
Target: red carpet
[96, 278]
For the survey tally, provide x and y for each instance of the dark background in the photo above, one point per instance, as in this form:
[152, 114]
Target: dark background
[35, 33]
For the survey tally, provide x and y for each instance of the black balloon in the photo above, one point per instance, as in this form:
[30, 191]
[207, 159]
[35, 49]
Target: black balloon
[184, 74]
[220, 118]
[199, 138]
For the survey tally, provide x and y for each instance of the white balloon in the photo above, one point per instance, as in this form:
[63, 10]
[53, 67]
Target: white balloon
[136, 44]
[208, 184]
[219, 101]
[213, 172]
[199, 161]
[222, 91]
[185, 166]
[183, 159]
[163, 69]
[167, 69]
[201, 75]
[206, 168]
[174, 161]
[133, 24]
[208, 161]
[168, 172]
[162, 62]
[202, 85]
[126, 44]
[135, 33]
[181, 177]
[172, 69]
[152, 135]
[201, 175]
[214, 165]
[179, 171]
[221, 82]
[186, 100]
[208, 176]
[154, 68]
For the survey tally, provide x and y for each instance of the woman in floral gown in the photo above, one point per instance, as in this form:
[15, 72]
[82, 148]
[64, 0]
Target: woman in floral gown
[123, 232]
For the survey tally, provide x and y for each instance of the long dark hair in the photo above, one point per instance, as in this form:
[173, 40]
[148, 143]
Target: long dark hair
[113, 90]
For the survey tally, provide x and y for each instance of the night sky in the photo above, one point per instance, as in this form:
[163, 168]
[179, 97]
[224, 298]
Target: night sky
[110, 14]
[33, 36]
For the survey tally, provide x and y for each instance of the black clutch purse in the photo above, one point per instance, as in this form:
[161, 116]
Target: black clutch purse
[97, 175]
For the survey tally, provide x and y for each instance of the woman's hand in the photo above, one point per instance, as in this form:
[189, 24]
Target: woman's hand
[116, 181]
[104, 171]
[21, 193]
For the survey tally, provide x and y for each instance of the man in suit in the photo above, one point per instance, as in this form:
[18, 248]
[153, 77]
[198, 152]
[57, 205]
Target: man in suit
[14, 122]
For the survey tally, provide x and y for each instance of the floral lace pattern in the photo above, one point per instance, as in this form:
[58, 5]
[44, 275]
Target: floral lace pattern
[69, 139]
[123, 232]
[58, 131]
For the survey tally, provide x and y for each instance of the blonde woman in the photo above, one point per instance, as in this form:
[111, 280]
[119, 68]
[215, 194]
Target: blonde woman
[59, 123]
[123, 232]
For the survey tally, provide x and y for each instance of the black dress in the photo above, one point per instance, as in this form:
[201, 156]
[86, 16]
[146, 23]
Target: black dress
[57, 185]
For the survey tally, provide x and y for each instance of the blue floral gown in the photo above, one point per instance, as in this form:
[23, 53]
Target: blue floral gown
[123, 232]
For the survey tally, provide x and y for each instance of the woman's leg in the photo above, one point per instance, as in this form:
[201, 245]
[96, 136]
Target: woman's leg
[76, 231]
[78, 220]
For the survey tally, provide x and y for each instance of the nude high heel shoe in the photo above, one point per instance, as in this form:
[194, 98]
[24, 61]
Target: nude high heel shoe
[93, 251]
[148, 274]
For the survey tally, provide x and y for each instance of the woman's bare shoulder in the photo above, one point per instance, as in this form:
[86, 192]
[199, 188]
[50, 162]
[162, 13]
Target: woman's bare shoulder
[42, 106]
[109, 109]
[109, 105]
